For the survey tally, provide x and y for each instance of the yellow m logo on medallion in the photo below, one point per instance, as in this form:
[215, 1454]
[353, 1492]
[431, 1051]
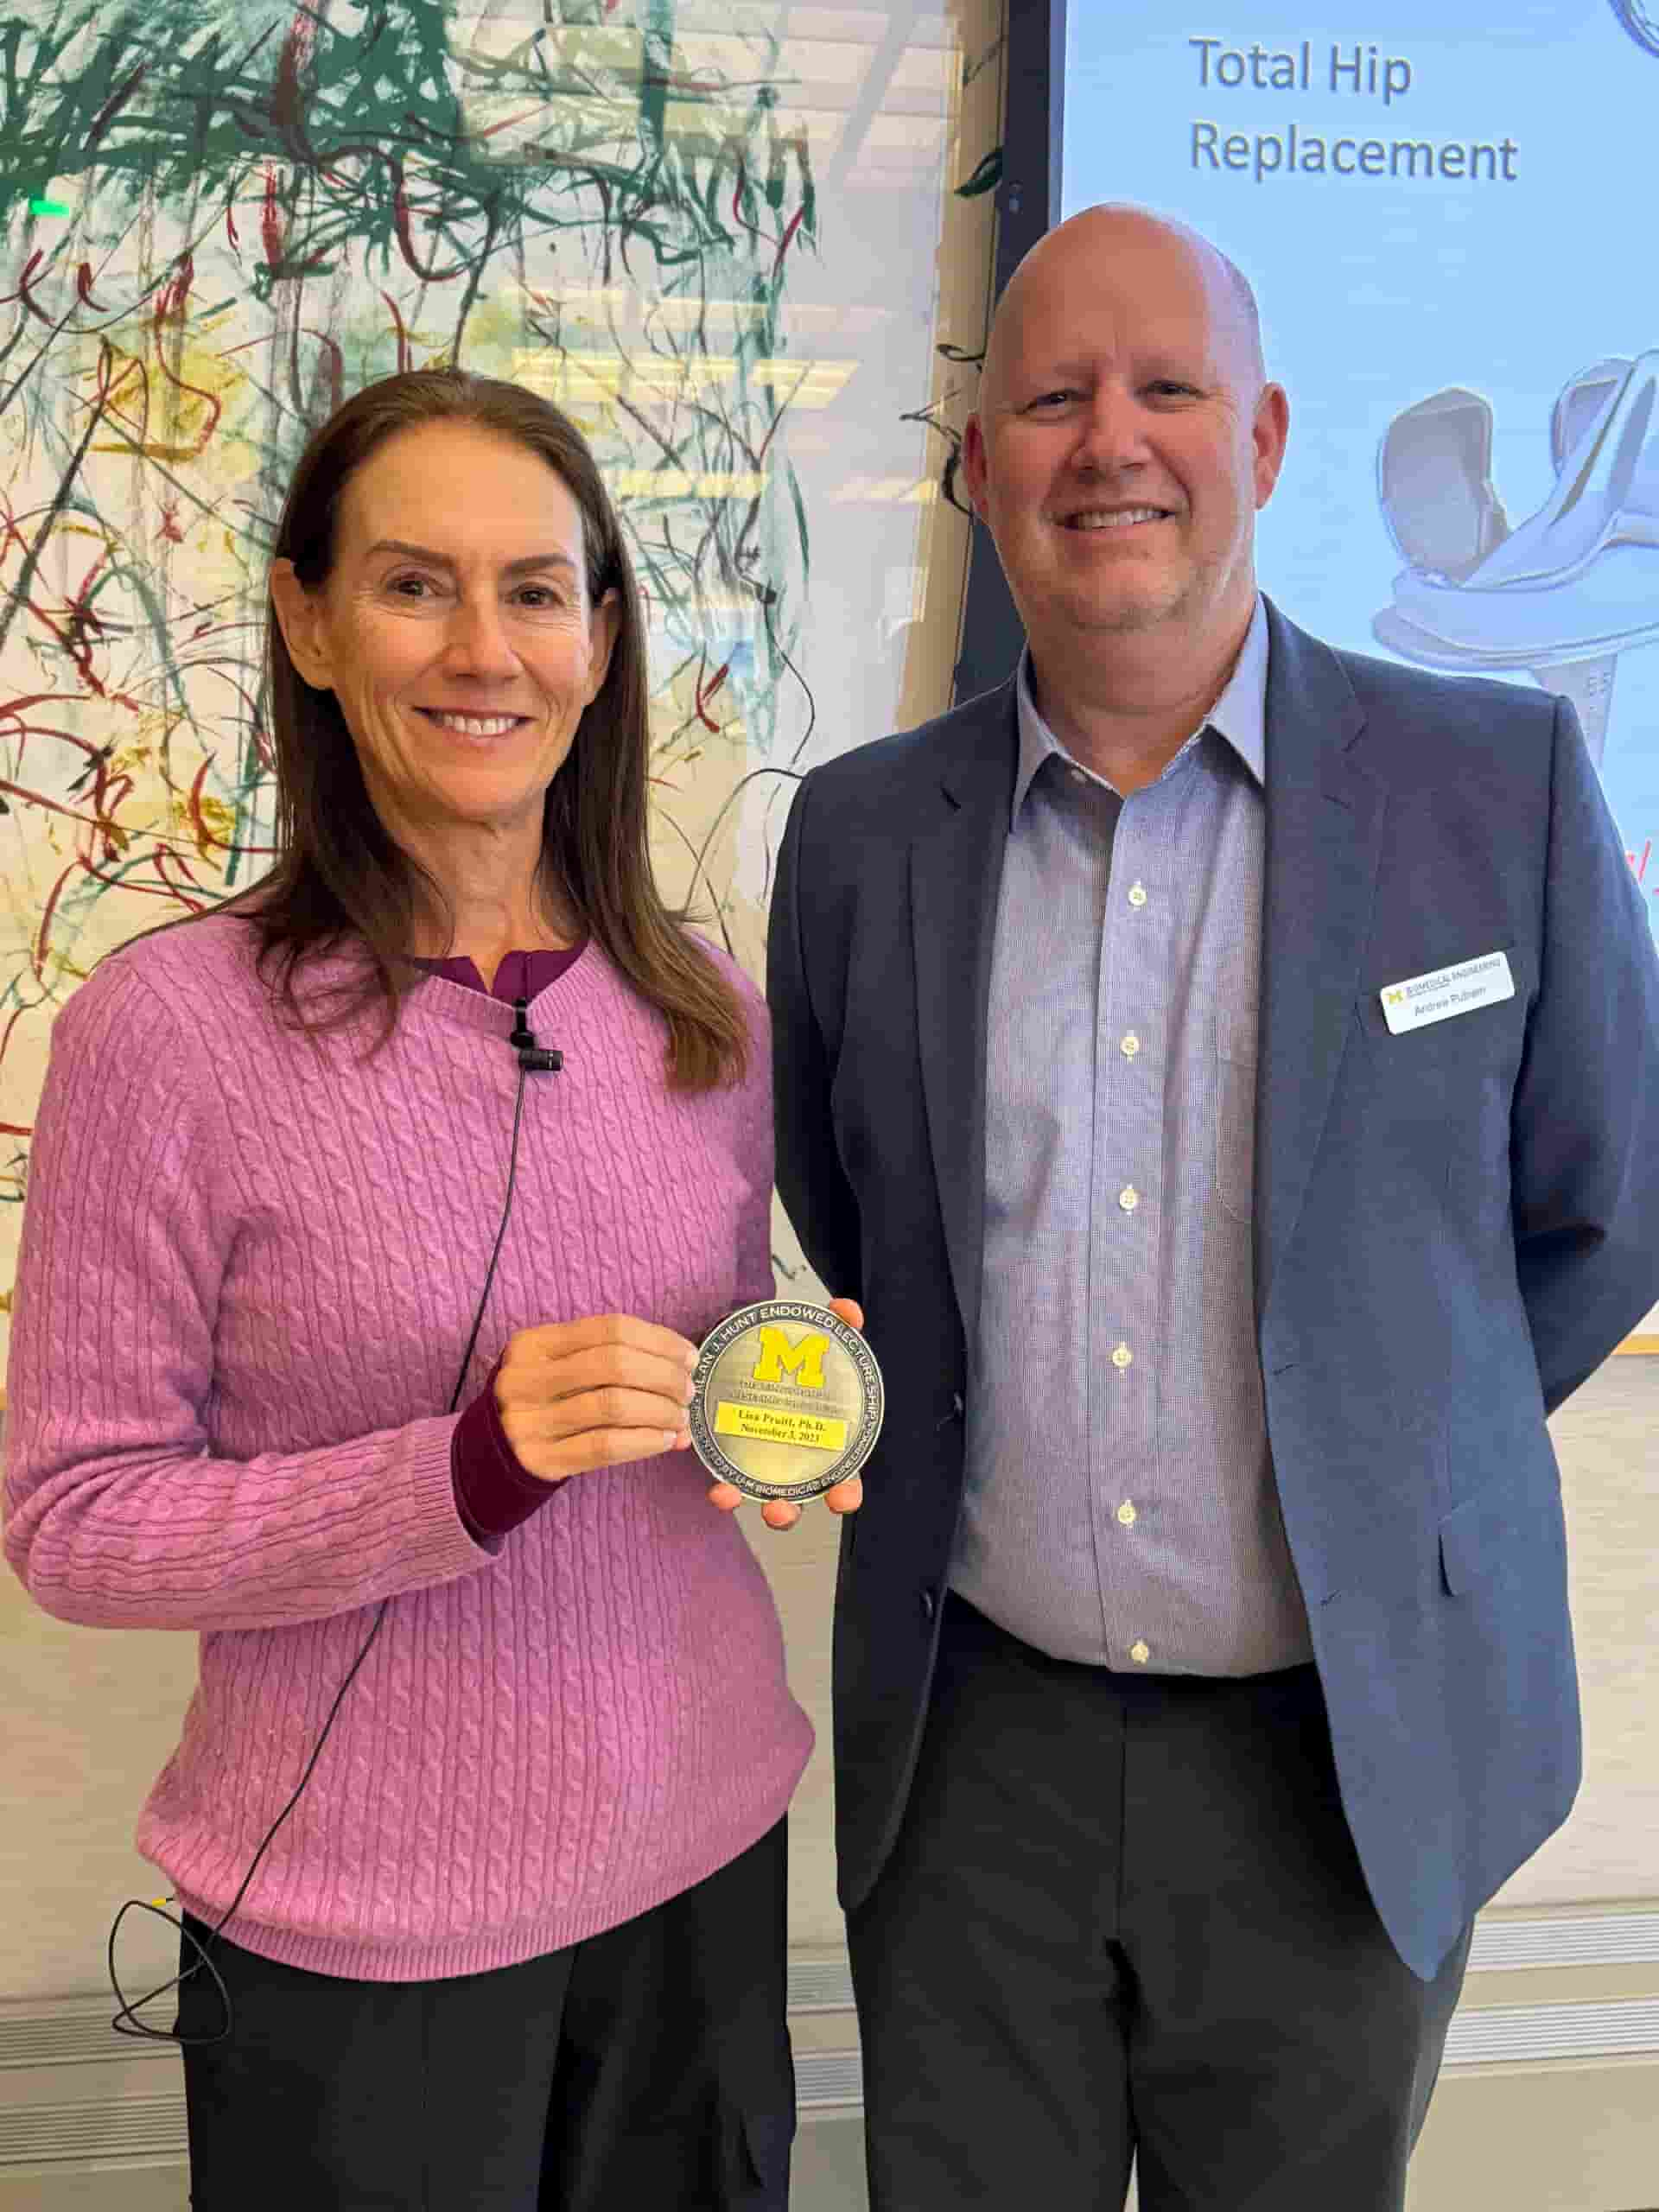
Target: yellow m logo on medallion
[781, 1360]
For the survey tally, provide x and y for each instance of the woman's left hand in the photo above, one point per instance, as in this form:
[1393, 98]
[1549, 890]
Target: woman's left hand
[845, 1497]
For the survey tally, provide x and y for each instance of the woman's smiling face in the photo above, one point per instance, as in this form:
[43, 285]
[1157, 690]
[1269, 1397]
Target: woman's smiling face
[454, 628]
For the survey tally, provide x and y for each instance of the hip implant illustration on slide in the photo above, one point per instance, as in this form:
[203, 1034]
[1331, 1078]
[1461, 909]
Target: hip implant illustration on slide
[1561, 594]
[1641, 21]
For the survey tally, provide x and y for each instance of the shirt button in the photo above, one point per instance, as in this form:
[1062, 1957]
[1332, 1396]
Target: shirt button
[1139, 1653]
[1137, 894]
[1126, 1514]
[1122, 1356]
[1130, 1046]
[1129, 1198]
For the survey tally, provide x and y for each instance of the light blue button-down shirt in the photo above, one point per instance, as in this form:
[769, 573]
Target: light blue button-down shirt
[1120, 1506]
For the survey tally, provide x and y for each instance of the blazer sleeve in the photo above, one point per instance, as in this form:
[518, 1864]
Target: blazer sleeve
[1585, 1125]
[811, 1181]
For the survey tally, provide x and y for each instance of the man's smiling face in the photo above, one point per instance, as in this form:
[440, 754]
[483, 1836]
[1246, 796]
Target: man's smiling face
[1124, 439]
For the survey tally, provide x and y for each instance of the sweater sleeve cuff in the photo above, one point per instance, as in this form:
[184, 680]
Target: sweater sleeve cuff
[494, 1493]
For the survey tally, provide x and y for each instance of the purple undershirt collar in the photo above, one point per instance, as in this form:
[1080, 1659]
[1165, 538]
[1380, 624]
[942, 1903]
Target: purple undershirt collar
[521, 975]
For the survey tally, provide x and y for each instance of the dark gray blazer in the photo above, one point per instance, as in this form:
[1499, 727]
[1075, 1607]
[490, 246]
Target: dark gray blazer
[1453, 1227]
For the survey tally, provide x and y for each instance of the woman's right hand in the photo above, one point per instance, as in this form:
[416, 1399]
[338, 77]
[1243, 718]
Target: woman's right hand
[575, 1396]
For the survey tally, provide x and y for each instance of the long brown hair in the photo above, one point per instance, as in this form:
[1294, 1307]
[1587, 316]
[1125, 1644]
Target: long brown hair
[341, 880]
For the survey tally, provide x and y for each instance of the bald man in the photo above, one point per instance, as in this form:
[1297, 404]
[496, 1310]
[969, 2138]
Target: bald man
[1224, 1069]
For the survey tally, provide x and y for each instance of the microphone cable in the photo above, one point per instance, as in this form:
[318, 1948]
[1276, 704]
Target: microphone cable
[533, 1059]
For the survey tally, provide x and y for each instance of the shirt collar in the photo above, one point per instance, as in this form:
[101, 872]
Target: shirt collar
[1240, 716]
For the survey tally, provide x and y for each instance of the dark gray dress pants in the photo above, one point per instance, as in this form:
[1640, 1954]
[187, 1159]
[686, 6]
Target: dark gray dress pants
[1124, 1919]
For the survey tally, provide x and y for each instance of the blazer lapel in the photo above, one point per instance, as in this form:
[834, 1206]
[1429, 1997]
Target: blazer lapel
[955, 876]
[1324, 837]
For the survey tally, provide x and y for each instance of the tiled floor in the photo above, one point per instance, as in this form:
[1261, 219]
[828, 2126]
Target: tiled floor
[129, 2188]
[828, 2174]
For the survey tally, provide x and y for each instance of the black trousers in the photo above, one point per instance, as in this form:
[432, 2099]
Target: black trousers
[1124, 1917]
[646, 2070]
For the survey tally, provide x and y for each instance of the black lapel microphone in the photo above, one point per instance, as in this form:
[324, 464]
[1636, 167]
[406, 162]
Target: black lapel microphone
[532, 1058]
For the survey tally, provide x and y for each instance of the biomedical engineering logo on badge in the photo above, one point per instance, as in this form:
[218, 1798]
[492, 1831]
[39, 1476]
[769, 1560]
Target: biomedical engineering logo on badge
[1641, 19]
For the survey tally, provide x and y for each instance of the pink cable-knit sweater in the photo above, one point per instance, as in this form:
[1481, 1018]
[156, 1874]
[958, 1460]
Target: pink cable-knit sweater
[249, 1266]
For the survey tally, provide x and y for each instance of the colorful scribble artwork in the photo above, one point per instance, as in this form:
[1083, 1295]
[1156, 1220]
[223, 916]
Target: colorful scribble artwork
[221, 217]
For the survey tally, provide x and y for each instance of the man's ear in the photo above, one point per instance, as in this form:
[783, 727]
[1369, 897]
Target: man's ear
[973, 464]
[1268, 434]
[299, 617]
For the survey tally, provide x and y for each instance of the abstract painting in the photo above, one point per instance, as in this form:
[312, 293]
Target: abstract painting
[218, 219]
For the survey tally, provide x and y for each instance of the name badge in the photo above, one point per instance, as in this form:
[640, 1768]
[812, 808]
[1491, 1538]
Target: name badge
[1443, 992]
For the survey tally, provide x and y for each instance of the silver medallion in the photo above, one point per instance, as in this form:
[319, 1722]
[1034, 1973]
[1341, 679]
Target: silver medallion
[789, 1400]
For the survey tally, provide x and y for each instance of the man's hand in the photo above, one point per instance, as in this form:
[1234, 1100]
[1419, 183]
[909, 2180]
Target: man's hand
[575, 1396]
[845, 1497]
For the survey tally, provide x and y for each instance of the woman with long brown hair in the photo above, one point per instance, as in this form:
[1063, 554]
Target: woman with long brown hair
[373, 1222]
